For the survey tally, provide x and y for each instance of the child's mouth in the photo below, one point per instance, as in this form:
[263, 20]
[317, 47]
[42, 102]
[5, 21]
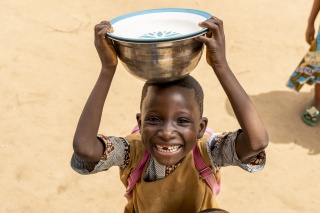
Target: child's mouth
[168, 149]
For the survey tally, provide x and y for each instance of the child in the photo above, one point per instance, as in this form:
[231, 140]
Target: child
[308, 70]
[170, 124]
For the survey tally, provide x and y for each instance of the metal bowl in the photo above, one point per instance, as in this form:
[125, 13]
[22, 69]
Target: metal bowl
[159, 61]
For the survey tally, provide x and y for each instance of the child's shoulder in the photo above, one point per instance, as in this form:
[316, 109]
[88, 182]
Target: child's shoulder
[203, 146]
[137, 149]
[133, 138]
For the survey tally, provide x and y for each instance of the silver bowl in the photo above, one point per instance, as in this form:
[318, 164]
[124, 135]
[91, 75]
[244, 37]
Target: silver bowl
[159, 61]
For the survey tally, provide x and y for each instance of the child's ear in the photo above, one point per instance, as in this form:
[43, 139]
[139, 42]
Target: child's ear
[203, 126]
[138, 117]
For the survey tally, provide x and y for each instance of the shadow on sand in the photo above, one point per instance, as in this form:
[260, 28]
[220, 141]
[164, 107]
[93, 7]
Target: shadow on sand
[281, 113]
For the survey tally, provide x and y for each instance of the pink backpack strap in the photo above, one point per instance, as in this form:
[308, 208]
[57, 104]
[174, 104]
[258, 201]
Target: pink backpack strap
[208, 131]
[136, 175]
[205, 172]
[135, 129]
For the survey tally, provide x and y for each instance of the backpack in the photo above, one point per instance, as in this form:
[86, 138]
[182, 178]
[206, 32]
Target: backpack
[205, 171]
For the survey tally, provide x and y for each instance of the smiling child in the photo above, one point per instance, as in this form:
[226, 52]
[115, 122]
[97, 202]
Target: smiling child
[159, 161]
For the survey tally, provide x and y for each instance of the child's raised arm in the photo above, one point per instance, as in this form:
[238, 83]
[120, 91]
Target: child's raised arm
[254, 137]
[85, 142]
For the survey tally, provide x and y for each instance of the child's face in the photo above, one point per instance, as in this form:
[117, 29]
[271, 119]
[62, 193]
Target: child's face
[170, 123]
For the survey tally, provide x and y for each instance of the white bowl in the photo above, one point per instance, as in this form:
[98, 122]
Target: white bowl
[159, 45]
[158, 25]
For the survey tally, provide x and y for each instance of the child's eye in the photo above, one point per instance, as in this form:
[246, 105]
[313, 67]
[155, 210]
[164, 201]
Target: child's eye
[153, 119]
[183, 121]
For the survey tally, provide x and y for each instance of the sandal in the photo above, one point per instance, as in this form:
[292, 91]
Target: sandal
[311, 116]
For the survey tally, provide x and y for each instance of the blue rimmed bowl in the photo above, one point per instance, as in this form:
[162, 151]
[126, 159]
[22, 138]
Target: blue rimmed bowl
[159, 45]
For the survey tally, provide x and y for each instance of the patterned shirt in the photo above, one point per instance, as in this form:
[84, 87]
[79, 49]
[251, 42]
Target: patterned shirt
[220, 148]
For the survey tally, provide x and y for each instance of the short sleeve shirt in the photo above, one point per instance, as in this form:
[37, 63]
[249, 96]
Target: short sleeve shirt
[220, 149]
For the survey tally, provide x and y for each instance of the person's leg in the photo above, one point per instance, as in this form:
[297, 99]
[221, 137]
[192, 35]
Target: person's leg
[316, 99]
[311, 114]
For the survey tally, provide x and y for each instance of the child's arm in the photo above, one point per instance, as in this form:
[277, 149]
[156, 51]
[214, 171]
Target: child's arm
[312, 17]
[254, 137]
[85, 142]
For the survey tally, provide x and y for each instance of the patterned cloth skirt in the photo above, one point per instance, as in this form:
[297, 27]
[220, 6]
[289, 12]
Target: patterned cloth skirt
[308, 70]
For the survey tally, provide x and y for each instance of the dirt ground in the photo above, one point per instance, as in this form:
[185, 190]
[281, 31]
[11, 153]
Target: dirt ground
[48, 66]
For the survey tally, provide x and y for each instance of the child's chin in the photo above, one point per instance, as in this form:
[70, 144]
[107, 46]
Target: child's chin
[168, 161]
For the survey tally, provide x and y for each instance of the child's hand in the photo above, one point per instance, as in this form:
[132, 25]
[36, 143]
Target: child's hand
[310, 34]
[104, 46]
[215, 42]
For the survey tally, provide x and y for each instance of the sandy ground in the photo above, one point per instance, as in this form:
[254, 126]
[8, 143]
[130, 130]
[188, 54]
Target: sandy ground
[48, 66]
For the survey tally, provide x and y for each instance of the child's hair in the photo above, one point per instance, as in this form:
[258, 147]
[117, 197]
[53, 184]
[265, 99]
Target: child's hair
[214, 210]
[187, 82]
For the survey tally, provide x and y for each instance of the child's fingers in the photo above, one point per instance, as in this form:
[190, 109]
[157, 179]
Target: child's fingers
[109, 27]
[204, 39]
[109, 41]
[219, 22]
[309, 39]
[214, 25]
[103, 28]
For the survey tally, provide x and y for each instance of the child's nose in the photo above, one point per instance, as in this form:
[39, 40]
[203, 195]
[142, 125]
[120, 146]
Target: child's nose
[167, 131]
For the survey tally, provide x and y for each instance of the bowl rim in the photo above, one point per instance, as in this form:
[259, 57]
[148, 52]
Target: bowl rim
[156, 42]
[159, 10]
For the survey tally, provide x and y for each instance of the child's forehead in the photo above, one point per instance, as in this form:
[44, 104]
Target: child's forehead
[188, 94]
[173, 96]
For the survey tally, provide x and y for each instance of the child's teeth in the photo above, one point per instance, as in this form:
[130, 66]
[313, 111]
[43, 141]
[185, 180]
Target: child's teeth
[167, 148]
